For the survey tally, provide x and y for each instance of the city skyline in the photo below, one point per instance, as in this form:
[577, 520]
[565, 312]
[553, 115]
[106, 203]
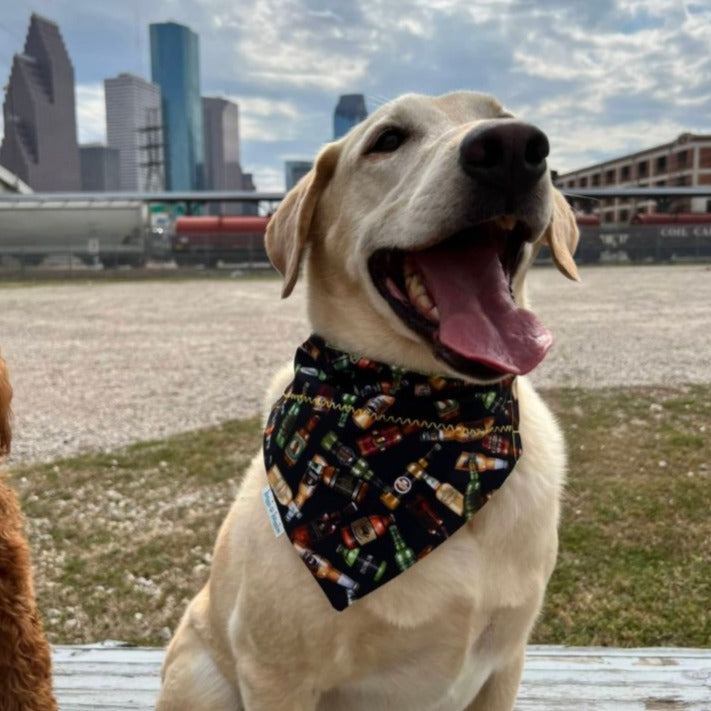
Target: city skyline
[601, 79]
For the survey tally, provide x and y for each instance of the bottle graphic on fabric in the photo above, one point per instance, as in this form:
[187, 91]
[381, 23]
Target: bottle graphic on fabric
[282, 491]
[365, 416]
[472, 495]
[460, 433]
[404, 556]
[484, 463]
[426, 516]
[321, 527]
[299, 440]
[345, 484]
[445, 493]
[347, 401]
[307, 487]
[365, 530]
[414, 470]
[287, 425]
[322, 568]
[357, 466]
[365, 564]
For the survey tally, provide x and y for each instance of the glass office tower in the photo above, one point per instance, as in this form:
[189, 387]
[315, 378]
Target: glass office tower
[350, 111]
[175, 67]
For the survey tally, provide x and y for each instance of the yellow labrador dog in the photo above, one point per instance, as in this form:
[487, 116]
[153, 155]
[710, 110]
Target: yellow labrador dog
[416, 229]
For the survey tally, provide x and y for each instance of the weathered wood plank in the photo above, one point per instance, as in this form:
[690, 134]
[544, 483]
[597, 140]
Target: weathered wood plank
[117, 678]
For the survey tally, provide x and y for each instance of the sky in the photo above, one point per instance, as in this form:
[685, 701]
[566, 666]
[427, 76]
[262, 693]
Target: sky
[601, 77]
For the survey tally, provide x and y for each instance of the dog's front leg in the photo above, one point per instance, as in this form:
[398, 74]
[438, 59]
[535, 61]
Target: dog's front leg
[499, 691]
[265, 688]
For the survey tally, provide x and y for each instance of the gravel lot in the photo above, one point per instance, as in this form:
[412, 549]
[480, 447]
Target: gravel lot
[98, 365]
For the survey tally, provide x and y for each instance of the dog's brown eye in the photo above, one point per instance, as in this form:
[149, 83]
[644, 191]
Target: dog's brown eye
[388, 141]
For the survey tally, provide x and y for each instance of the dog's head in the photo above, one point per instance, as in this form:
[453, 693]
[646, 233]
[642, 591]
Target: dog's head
[419, 226]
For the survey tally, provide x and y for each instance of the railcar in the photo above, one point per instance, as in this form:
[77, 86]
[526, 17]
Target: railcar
[209, 240]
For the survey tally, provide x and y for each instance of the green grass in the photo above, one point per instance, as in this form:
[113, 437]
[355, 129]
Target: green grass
[122, 540]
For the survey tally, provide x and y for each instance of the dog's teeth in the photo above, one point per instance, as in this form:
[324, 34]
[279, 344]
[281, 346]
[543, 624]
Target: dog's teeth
[506, 222]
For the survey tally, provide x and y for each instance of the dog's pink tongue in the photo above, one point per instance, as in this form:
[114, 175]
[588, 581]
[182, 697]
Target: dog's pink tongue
[478, 318]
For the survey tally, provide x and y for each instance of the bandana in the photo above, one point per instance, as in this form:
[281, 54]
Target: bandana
[372, 467]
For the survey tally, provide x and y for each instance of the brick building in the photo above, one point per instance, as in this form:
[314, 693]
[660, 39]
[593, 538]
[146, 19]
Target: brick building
[685, 162]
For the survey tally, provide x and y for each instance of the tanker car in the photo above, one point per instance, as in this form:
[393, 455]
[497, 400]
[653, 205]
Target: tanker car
[110, 234]
[208, 240]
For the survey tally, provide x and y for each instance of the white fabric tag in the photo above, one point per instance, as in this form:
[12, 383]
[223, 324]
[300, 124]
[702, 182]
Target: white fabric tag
[272, 511]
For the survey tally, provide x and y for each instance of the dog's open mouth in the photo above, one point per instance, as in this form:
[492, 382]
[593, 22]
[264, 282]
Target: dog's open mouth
[457, 294]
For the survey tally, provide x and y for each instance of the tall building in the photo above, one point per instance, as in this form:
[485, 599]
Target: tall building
[294, 170]
[175, 67]
[40, 141]
[684, 162]
[99, 167]
[350, 111]
[223, 170]
[134, 126]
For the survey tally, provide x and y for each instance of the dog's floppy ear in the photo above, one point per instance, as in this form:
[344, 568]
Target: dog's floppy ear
[561, 236]
[289, 228]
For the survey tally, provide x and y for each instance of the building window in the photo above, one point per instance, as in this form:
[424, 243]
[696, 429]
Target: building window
[583, 183]
[625, 172]
[682, 158]
[624, 215]
[610, 177]
[596, 179]
[642, 169]
[661, 164]
[682, 181]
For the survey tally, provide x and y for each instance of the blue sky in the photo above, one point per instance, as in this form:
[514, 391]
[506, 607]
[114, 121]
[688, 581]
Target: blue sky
[601, 78]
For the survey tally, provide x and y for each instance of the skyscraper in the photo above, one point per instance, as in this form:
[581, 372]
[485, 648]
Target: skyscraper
[350, 111]
[40, 141]
[99, 167]
[175, 67]
[294, 170]
[223, 170]
[134, 126]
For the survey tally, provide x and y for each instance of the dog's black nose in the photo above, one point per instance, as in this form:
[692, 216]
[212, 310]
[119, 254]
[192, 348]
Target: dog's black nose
[509, 155]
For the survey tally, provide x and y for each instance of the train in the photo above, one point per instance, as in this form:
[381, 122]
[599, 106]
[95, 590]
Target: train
[110, 234]
[655, 237]
[129, 234]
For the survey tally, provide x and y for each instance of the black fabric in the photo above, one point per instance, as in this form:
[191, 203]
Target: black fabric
[373, 467]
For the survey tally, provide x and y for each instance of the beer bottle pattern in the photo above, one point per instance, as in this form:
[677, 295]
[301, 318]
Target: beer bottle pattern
[484, 463]
[282, 491]
[299, 440]
[347, 402]
[472, 496]
[427, 517]
[358, 467]
[366, 416]
[364, 564]
[404, 555]
[287, 426]
[364, 530]
[307, 487]
[345, 484]
[460, 433]
[325, 525]
[322, 568]
[414, 470]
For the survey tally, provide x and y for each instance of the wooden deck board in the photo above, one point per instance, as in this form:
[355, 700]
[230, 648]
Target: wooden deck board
[119, 678]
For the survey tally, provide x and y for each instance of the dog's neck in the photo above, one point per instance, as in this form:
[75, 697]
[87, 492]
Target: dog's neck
[364, 455]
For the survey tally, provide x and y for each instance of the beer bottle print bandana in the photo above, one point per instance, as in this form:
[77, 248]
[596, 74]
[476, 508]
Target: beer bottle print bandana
[373, 467]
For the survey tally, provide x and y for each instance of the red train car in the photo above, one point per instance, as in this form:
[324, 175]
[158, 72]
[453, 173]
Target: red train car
[209, 239]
